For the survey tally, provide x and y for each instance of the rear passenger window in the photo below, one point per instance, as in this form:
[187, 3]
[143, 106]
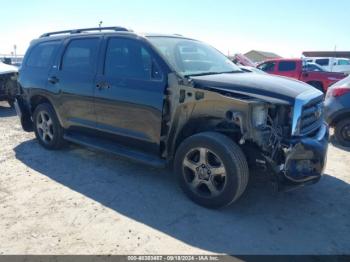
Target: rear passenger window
[42, 54]
[322, 62]
[343, 62]
[287, 66]
[80, 55]
[128, 58]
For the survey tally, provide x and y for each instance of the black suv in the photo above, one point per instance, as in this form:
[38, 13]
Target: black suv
[167, 99]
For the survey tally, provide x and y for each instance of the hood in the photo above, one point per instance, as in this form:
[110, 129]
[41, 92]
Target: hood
[6, 69]
[275, 89]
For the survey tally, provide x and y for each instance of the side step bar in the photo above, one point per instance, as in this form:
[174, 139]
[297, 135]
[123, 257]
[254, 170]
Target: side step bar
[111, 147]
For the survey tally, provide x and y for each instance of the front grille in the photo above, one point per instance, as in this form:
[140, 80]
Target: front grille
[312, 116]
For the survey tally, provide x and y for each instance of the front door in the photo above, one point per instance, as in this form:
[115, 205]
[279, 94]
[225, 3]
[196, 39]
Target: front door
[129, 94]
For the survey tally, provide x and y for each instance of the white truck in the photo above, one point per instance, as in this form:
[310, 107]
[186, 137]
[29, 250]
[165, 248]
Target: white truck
[8, 83]
[331, 64]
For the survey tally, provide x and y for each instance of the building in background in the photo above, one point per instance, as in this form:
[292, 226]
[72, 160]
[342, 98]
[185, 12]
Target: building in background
[341, 54]
[260, 56]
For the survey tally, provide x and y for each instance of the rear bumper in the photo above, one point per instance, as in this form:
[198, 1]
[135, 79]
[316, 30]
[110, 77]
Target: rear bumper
[305, 160]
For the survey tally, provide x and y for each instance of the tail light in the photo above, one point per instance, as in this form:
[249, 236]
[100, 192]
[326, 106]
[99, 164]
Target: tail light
[339, 91]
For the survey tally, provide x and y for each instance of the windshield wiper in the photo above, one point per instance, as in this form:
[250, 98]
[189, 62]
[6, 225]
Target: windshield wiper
[214, 73]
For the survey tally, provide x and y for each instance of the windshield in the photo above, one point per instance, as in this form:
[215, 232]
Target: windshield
[190, 57]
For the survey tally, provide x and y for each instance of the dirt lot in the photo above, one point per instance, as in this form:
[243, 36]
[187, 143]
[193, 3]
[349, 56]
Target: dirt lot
[79, 201]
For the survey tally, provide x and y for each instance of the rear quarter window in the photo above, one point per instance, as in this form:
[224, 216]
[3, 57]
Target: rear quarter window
[287, 66]
[42, 54]
[343, 62]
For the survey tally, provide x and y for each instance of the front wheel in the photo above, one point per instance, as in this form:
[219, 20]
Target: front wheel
[342, 132]
[47, 128]
[212, 170]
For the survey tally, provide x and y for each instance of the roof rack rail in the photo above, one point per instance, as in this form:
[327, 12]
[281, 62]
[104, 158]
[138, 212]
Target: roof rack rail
[78, 31]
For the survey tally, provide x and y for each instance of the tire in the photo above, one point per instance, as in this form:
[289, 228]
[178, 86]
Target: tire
[211, 186]
[342, 132]
[317, 85]
[47, 128]
[11, 102]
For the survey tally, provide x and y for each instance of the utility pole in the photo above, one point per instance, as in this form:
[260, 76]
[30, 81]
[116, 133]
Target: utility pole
[15, 52]
[100, 24]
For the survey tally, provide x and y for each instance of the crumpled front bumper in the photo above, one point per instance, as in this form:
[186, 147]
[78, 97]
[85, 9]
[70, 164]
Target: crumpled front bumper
[305, 160]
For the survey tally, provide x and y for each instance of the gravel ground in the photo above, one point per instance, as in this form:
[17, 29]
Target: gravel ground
[78, 201]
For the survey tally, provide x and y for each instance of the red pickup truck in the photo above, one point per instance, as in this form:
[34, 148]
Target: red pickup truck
[299, 69]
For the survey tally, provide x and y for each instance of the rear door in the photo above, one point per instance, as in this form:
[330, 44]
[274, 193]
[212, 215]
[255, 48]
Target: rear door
[73, 79]
[37, 64]
[288, 69]
[129, 93]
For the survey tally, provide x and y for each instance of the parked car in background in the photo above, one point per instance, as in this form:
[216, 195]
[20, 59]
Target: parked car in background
[240, 59]
[170, 100]
[251, 69]
[298, 69]
[312, 67]
[331, 64]
[337, 110]
[8, 83]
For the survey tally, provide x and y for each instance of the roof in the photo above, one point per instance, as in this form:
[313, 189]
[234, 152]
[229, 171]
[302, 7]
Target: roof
[342, 54]
[281, 59]
[265, 54]
[100, 31]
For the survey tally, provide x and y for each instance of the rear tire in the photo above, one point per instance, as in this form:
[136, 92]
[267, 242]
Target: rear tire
[47, 128]
[342, 132]
[211, 169]
[11, 102]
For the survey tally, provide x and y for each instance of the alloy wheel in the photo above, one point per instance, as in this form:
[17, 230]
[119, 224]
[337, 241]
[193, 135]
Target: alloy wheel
[44, 126]
[345, 132]
[204, 172]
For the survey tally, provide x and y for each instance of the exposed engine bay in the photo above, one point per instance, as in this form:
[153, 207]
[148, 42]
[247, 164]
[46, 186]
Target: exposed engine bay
[262, 128]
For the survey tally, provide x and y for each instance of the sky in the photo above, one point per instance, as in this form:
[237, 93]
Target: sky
[285, 27]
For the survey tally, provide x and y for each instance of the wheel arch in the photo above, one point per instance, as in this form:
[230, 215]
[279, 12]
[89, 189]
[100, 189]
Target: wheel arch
[317, 84]
[340, 116]
[205, 124]
[38, 99]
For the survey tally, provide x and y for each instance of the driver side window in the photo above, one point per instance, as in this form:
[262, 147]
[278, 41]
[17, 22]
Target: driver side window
[267, 67]
[127, 58]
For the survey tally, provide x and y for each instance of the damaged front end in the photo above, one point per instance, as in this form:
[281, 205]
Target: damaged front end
[305, 161]
[296, 144]
[284, 138]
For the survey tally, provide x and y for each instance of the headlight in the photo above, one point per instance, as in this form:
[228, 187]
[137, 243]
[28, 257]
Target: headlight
[259, 115]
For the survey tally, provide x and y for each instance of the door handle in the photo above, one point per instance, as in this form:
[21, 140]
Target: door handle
[103, 85]
[53, 80]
